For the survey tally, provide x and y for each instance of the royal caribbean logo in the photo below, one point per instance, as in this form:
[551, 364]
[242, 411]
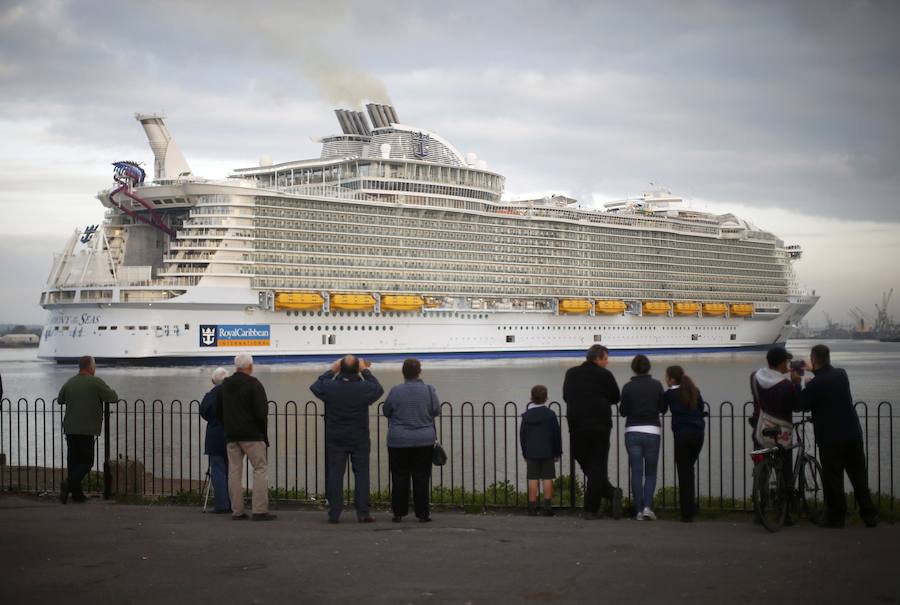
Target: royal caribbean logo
[252, 335]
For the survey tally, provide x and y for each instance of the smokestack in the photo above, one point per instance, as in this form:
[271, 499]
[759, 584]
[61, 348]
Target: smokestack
[383, 115]
[343, 121]
[168, 163]
[392, 114]
[374, 116]
[359, 122]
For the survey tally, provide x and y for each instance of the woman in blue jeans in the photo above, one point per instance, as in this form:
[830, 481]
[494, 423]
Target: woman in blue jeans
[641, 404]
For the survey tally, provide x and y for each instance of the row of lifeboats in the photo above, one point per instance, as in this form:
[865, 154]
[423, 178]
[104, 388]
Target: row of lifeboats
[313, 301]
[656, 307]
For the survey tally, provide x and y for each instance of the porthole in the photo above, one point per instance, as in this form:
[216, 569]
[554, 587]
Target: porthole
[296, 328]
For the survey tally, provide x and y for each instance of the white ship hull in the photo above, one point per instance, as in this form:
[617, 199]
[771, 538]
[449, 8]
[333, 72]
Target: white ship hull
[166, 333]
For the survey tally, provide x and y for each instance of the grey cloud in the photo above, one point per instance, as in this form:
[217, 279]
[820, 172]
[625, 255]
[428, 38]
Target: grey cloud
[759, 103]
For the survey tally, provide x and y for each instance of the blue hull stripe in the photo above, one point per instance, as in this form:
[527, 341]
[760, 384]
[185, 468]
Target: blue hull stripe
[268, 358]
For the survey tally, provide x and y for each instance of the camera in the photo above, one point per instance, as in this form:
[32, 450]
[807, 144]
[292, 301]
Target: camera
[798, 366]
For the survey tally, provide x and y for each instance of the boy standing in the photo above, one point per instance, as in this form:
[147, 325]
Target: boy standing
[541, 446]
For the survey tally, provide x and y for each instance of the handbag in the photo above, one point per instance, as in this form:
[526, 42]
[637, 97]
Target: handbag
[785, 436]
[438, 455]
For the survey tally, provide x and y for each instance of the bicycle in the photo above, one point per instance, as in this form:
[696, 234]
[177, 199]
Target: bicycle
[772, 500]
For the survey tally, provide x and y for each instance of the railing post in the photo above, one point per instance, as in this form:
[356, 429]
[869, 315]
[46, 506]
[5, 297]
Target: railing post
[107, 479]
[572, 490]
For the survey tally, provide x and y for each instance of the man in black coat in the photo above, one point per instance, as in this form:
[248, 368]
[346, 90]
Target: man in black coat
[839, 438]
[245, 415]
[348, 388]
[589, 391]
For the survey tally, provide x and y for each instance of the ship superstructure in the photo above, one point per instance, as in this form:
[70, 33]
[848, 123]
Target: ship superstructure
[394, 243]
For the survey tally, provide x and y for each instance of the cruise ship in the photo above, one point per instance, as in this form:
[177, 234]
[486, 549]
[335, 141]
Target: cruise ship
[392, 243]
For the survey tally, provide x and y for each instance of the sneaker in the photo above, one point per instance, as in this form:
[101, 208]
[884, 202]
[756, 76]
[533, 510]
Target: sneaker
[63, 491]
[240, 517]
[639, 517]
[547, 512]
[649, 514]
[264, 517]
[425, 519]
[617, 503]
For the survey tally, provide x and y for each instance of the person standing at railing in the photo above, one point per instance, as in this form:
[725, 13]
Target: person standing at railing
[775, 394]
[245, 416]
[541, 442]
[214, 446]
[411, 408]
[348, 388]
[839, 439]
[590, 391]
[642, 403]
[684, 401]
[83, 395]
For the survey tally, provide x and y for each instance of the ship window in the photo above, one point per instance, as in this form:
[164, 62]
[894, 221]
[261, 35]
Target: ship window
[734, 337]
[142, 328]
[296, 328]
[510, 338]
[101, 328]
[331, 339]
[114, 327]
[304, 328]
[341, 328]
[392, 328]
[129, 327]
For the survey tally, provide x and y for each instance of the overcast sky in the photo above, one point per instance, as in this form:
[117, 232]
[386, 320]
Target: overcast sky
[785, 113]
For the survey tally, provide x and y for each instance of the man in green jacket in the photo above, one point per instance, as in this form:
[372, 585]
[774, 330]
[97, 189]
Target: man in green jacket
[83, 395]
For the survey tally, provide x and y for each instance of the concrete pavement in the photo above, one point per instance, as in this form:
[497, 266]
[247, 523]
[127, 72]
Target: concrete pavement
[103, 552]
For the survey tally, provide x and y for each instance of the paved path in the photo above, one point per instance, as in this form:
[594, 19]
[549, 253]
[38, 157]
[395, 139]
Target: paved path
[113, 553]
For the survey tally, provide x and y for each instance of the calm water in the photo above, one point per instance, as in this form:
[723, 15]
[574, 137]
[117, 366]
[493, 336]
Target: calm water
[873, 367]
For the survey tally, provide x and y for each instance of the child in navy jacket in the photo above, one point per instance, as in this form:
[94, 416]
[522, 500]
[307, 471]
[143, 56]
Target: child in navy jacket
[541, 446]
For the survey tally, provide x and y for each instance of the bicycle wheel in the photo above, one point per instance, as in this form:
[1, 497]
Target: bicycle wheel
[810, 486]
[769, 499]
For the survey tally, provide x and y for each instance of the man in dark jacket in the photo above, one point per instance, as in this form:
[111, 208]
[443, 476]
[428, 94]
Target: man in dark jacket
[214, 446]
[245, 415]
[348, 388]
[589, 391]
[541, 446]
[83, 395]
[777, 393]
[839, 439]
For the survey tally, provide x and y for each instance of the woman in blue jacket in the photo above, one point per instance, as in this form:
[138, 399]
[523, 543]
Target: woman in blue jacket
[214, 444]
[688, 426]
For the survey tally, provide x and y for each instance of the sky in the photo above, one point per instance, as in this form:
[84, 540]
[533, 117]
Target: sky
[783, 113]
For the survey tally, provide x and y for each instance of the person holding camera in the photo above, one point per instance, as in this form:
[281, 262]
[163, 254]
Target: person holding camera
[776, 394]
[838, 437]
[348, 388]
[411, 408]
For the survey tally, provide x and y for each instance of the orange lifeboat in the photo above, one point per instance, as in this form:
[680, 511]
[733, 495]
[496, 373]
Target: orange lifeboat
[574, 305]
[609, 307]
[656, 307]
[686, 308]
[741, 310]
[393, 302]
[352, 302]
[298, 301]
[714, 309]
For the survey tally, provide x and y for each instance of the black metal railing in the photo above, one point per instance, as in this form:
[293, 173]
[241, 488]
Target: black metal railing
[155, 448]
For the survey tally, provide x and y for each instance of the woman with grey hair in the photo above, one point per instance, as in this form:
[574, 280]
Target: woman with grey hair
[214, 446]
